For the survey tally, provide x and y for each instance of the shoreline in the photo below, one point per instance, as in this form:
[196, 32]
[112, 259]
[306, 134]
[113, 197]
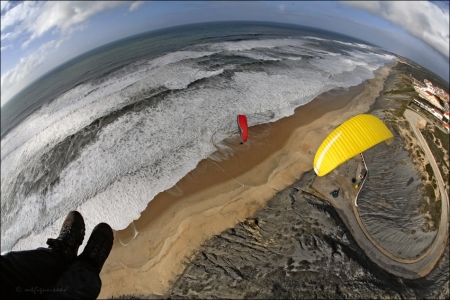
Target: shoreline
[242, 159]
[219, 194]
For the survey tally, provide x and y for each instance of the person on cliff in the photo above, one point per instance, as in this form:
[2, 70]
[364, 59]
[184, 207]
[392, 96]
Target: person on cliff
[57, 272]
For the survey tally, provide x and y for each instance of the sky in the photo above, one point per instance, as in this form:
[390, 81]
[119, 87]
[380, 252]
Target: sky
[37, 36]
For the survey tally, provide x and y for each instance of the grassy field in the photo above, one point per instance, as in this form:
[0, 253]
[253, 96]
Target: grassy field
[401, 109]
[407, 89]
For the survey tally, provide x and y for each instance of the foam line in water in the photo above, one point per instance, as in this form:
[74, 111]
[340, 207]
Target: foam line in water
[144, 152]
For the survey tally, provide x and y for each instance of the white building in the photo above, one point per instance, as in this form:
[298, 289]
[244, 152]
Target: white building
[446, 116]
[436, 113]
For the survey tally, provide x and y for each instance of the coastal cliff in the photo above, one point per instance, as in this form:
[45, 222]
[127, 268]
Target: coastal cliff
[298, 245]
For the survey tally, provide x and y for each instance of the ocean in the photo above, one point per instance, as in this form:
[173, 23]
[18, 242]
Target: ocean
[107, 131]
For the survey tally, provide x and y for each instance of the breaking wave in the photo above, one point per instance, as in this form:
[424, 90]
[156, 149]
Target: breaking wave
[108, 146]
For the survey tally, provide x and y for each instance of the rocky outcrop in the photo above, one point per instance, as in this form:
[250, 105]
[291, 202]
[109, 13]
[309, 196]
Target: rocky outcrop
[296, 247]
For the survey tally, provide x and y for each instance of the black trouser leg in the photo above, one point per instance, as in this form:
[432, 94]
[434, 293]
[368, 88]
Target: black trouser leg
[81, 280]
[30, 274]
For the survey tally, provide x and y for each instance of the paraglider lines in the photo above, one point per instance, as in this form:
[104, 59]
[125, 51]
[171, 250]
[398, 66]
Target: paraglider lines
[364, 180]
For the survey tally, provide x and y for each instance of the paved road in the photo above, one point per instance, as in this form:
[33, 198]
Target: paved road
[442, 235]
[413, 118]
[345, 206]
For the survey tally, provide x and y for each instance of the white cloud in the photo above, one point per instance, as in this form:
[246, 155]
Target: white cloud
[6, 36]
[65, 15]
[7, 5]
[19, 13]
[6, 47]
[26, 66]
[422, 19]
[36, 18]
[135, 5]
[4, 5]
[22, 74]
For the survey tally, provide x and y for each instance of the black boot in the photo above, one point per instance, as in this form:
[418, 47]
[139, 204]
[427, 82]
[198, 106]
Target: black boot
[70, 237]
[99, 245]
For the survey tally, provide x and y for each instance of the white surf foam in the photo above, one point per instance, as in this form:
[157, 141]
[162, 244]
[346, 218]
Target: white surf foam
[146, 152]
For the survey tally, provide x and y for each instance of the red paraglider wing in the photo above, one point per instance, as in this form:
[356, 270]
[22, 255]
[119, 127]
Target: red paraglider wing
[243, 127]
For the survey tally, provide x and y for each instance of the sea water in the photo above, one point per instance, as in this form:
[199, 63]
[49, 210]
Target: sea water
[106, 132]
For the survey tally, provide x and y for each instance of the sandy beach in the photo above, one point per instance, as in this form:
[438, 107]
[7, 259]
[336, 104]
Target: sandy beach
[225, 189]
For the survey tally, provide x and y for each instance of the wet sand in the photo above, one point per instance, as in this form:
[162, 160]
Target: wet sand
[219, 193]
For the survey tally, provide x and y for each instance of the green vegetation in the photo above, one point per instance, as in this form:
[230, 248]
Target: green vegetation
[434, 207]
[407, 89]
[435, 211]
[429, 170]
[443, 137]
[433, 139]
[429, 204]
[420, 74]
[401, 109]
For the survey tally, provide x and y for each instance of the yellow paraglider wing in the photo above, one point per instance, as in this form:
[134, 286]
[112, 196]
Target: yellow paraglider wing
[348, 139]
